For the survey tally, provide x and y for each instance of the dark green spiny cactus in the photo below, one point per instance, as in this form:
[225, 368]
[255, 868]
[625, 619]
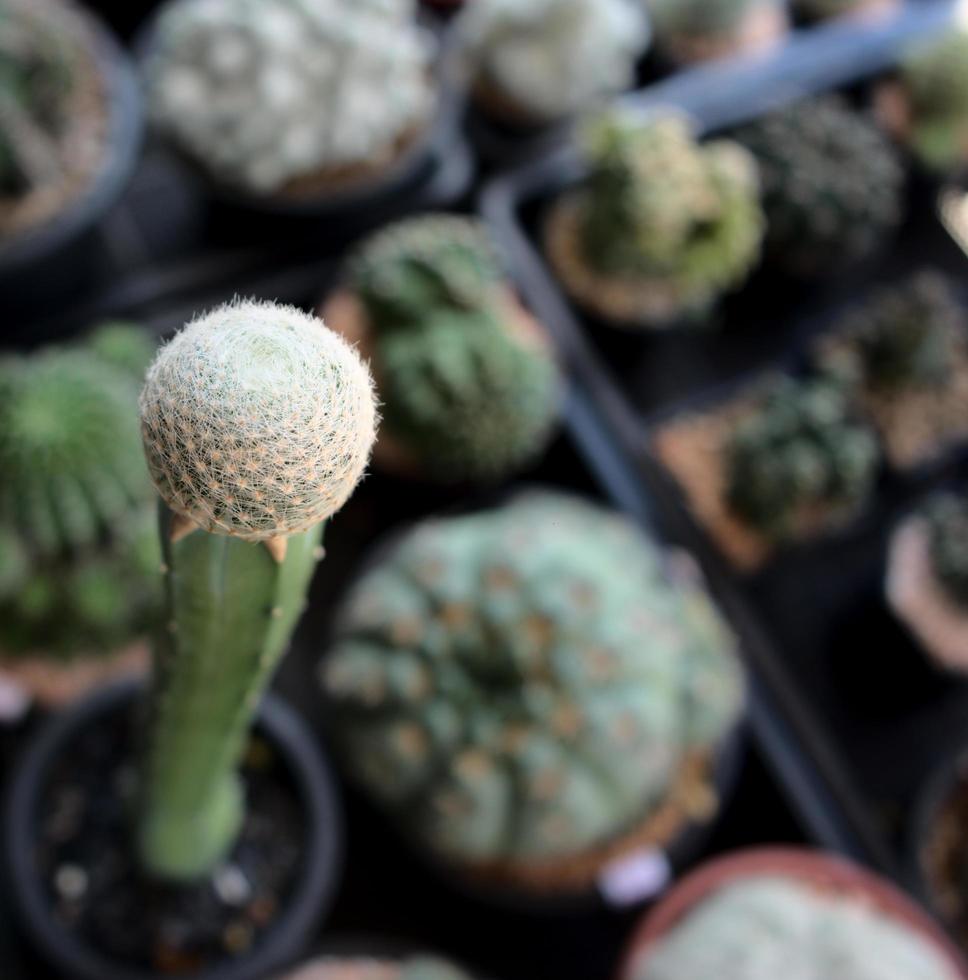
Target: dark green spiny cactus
[832, 184]
[800, 451]
[522, 684]
[934, 80]
[947, 521]
[904, 336]
[469, 386]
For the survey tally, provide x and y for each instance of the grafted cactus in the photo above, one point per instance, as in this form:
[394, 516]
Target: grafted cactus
[293, 95]
[257, 424]
[832, 184]
[692, 30]
[934, 83]
[767, 926]
[524, 686]
[51, 119]
[665, 225]
[946, 517]
[800, 452]
[358, 968]
[468, 384]
[548, 59]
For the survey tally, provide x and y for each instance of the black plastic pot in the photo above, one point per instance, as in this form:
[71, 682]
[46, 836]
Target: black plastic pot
[40, 265]
[306, 905]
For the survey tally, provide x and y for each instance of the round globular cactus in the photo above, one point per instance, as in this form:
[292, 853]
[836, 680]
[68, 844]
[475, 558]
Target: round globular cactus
[832, 184]
[799, 453]
[546, 60]
[696, 30]
[468, 382]
[754, 929]
[359, 968]
[125, 345]
[294, 96]
[665, 225]
[52, 135]
[934, 88]
[257, 424]
[525, 689]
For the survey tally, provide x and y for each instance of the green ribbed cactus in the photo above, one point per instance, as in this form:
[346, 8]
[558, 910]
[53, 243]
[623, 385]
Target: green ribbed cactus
[934, 80]
[469, 387]
[523, 684]
[359, 968]
[666, 225]
[832, 184]
[903, 337]
[947, 521]
[800, 452]
[257, 425]
[768, 926]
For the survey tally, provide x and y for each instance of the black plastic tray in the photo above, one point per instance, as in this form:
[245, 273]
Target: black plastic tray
[815, 611]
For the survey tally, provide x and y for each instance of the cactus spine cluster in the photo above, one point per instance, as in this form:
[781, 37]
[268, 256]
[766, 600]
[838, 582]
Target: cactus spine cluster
[76, 562]
[523, 685]
[947, 522]
[267, 96]
[257, 424]
[800, 452]
[934, 80]
[763, 927]
[832, 184]
[665, 225]
[51, 110]
[553, 58]
[469, 386]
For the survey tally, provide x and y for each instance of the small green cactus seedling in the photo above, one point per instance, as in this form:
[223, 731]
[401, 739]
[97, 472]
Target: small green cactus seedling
[904, 336]
[257, 424]
[832, 184]
[934, 82]
[358, 968]
[665, 225]
[51, 137]
[801, 452]
[469, 386]
[522, 686]
[697, 29]
[266, 96]
[947, 521]
[761, 927]
[552, 58]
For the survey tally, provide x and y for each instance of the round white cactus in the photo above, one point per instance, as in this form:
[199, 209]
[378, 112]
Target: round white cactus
[257, 421]
[266, 93]
[552, 58]
[770, 927]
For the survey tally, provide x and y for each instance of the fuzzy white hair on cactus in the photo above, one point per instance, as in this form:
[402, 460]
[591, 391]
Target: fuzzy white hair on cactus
[257, 421]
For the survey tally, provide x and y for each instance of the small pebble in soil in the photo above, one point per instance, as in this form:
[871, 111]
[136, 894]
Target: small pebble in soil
[70, 881]
[232, 885]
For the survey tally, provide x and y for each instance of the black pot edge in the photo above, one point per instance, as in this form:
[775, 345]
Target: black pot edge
[124, 146]
[321, 868]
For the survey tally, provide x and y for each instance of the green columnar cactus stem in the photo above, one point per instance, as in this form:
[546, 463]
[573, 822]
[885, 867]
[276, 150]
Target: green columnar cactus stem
[257, 424]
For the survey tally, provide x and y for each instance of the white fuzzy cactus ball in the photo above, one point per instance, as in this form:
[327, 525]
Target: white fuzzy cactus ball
[257, 421]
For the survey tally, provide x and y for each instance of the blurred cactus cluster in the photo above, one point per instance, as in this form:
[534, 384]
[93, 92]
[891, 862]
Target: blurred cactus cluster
[665, 224]
[695, 30]
[78, 551]
[800, 452]
[468, 382]
[947, 520]
[934, 83]
[340, 86]
[346, 968]
[545, 60]
[522, 686]
[52, 116]
[832, 184]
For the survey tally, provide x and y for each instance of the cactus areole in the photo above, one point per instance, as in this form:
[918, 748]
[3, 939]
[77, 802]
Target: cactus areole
[257, 423]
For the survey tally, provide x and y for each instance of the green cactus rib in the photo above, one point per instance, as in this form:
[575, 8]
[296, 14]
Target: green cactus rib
[232, 610]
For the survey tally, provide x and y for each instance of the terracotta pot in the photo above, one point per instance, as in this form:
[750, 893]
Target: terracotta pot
[825, 872]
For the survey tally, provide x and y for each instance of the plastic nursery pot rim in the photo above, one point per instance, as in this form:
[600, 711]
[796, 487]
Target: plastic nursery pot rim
[122, 147]
[421, 150]
[826, 872]
[307, 903]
